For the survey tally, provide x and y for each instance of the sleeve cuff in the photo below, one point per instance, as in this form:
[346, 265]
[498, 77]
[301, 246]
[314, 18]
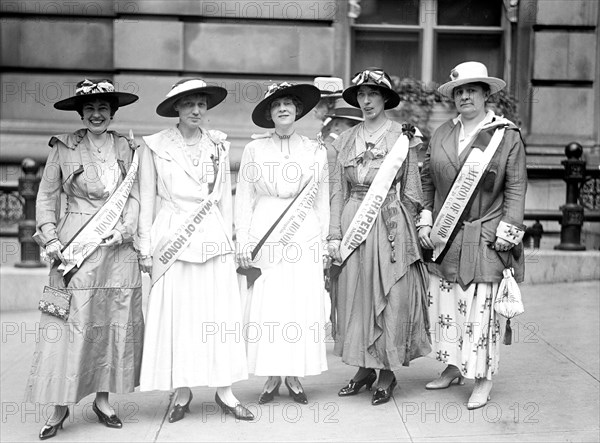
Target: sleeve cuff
[334, 237]
[512, 233]
[127, 237]
[425, 218]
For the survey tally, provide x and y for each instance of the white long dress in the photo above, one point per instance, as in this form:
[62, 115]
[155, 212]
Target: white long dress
[285, 314]
[194, 319]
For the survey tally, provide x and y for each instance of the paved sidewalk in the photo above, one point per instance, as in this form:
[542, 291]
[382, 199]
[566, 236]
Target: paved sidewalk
[547, 390]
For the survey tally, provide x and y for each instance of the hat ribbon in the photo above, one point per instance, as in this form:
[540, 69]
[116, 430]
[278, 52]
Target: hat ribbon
[276, 87]
[377, 77]
[89, 87]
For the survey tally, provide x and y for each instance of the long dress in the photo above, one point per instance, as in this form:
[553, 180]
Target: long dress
[381, 311]
[194, 317]
[465, 328]
[285, 308]
[99, 347]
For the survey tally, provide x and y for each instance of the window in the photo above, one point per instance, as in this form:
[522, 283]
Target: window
[425, 39]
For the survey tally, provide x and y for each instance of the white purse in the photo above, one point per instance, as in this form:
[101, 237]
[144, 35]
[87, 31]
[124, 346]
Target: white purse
[508, 301]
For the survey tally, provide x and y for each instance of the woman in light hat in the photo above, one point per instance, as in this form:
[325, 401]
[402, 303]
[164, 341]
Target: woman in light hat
[285, 312]
[193, 335]
[91, 354]
[463, 231]
[382, 288]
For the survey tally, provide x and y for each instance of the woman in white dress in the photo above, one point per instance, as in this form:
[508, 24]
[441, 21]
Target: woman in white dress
[194, 302]
[285, 309]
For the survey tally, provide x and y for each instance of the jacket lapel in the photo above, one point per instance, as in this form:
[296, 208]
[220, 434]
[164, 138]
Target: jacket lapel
[450, 146]
[176, 151]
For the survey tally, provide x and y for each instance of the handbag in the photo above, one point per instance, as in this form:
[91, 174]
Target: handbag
[508, 301]
[55, 302]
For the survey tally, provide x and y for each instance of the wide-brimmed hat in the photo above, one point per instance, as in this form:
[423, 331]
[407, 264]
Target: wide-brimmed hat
[309, 95]
[329, 86]
[92, 89]
[470, 72]
[376, 78]
[214, 95]
[342, 109]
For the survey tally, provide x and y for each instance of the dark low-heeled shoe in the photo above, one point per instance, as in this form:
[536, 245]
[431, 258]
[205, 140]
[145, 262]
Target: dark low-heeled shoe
[299, 397]
[238, 411]
[178, 411]
[353, 387]
[49, 431]
[381, 396]
[267, 396]
[112, 422]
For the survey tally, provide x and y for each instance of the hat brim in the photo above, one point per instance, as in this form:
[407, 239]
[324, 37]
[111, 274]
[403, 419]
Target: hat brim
[494, 83]
[350, 93]
[347, 113]
[214, 96]
[74, 103]
[309, 95]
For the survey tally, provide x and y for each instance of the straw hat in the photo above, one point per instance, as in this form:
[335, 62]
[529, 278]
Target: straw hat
[329, 86]
[342, 109]
[470, 72]
[214, 95]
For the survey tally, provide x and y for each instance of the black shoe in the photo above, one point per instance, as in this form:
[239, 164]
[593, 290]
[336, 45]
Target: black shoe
[178, 411]
[112, 422]
[299, 397]
[49, 431]
[353, 387]
[267, 396]
[381, 396]
[238, 411]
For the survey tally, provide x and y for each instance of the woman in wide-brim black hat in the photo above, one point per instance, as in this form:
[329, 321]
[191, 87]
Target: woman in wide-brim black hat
[89, 356]
[185, 166]
[274, 169]
[379, 298]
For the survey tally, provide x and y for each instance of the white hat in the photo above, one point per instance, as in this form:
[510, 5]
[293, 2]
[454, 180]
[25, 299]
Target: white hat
[329, 86]
[470, 72]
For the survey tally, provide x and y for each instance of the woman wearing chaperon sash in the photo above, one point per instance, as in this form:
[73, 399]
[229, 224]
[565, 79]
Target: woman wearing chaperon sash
[99, 345]
[285, 310]
[194, 319]
[382, 288]
[474, 180]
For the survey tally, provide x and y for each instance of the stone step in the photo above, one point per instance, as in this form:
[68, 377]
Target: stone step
[20, 289]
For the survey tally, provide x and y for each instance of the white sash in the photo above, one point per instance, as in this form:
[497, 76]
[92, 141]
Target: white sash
[90, 236]
[367, 213]
[291, 221]
[172, 244]
[463, 188]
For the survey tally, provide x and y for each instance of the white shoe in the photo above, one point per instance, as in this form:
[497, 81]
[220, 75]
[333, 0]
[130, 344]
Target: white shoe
[450, 374]
[481, 393]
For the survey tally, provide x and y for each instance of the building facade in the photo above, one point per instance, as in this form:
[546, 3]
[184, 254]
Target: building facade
[546, 50]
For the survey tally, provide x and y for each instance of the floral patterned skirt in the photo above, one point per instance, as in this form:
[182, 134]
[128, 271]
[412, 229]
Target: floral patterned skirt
[465, 330]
